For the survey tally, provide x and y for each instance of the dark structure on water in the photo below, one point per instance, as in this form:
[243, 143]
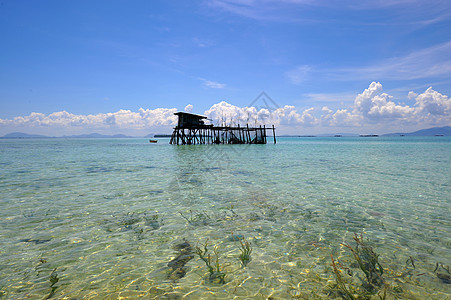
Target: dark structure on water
[191, 130]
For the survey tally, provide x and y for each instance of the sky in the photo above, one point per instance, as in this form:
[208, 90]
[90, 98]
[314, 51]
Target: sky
[308, 67]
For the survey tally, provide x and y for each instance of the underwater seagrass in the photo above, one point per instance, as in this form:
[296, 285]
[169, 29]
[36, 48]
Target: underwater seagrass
[216, 275]
[246, 250]
[368, 262]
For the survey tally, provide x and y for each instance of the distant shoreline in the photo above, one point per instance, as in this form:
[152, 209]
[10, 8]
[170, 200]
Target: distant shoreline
[434, 131]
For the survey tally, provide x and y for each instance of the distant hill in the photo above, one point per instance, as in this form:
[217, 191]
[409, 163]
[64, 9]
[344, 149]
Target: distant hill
[21, 135]
[446, 131]
[97, 136]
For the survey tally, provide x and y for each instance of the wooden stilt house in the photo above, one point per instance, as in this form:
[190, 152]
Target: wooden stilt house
[191, 129]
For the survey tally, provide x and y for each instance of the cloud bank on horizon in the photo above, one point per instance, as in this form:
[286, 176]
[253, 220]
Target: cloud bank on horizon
[372, 109]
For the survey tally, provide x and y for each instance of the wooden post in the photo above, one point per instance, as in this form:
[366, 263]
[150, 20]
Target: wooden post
[239, 133]
[274, 133]
[179, 136]
[261, 135]
[248, 134]
[172, 137]
[182, 136]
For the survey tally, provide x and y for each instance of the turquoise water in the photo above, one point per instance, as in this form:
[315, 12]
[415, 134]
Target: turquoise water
[102, 218]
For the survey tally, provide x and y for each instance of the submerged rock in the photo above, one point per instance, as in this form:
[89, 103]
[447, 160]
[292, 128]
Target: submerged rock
[184, 246]
[177, 274]
[177, 265]
[180, 261]
[235, 237]
[445, 278]
[35, 241]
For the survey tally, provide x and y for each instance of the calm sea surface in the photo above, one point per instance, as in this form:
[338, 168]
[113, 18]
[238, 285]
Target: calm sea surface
[110, 218]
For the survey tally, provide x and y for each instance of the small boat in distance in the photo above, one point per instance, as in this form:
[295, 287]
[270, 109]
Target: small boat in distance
[153, 141]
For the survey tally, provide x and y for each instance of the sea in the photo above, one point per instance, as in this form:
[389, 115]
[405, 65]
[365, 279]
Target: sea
[306, 218]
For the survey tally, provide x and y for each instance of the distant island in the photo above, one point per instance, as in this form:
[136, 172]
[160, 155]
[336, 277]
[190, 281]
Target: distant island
[21, 135]
[97, 136]
[435, 131]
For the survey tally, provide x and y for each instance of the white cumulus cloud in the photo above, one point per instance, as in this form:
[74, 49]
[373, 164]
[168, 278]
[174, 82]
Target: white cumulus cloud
[226, 113]
[374, 104]
[188, 108]
[340, 118]
[433, 103]
[122, 119]
[375, 107]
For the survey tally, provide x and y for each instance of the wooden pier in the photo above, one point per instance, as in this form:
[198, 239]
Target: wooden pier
[191, 130]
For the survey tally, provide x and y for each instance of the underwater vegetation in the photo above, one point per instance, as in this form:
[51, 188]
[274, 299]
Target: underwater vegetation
[130, 219]
[216, 274]
[53, 280]
[139, 223]
[246, 250]
[368, 262]
[197, 218]
[43, 267]
[202, 218]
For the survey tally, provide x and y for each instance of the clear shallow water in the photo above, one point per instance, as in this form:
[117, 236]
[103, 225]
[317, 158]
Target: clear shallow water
[101, 218]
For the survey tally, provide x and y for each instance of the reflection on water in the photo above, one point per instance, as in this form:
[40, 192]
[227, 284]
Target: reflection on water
[122, 218]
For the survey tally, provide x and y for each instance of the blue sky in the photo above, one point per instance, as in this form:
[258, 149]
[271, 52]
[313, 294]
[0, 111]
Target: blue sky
[125, 66]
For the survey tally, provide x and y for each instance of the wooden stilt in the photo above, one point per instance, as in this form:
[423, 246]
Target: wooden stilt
[274, 133]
